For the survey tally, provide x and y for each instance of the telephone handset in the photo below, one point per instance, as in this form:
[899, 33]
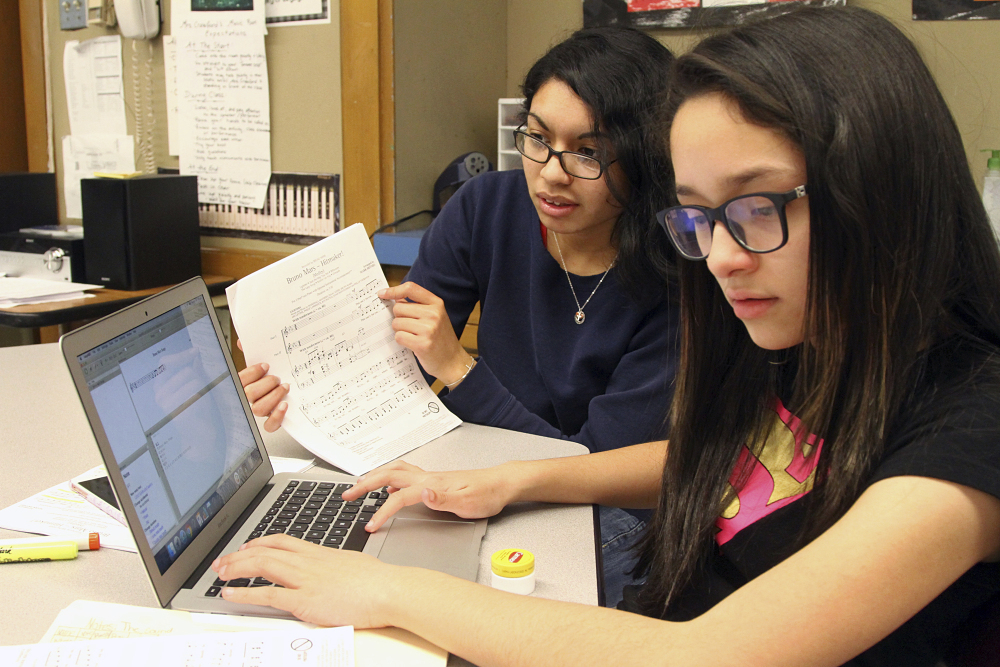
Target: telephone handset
[138, 19]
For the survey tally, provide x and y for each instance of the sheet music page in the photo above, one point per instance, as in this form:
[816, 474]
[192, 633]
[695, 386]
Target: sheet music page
[84, 619]
[322, 647]
[356, 397]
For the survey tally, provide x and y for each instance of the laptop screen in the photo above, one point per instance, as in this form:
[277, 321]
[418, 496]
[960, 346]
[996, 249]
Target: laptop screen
[175, 423]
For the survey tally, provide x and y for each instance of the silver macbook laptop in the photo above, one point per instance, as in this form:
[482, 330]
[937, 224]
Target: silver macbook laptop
[189, 469]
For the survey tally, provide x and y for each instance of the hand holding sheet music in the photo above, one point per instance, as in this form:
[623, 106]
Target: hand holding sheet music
[357, 398]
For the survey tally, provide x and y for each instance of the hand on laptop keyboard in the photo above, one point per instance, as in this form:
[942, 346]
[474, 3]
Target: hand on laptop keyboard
[315, 512]
[471, 494]
[320, 585]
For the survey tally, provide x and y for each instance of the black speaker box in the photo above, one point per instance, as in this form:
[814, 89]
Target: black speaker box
[27, 200]
[141, 232]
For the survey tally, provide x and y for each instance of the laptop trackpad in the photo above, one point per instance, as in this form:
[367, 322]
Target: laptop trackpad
[435, 545]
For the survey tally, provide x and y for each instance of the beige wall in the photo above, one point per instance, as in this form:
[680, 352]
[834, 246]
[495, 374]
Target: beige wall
[534, 27]
[450, 69]
[964, 57]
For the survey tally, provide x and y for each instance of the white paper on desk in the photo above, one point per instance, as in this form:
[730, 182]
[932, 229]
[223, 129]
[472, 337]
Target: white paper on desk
[320, 647]
[61, 511]
[83, 619]
[282, 464]
[357, 398]
[85, 154]
[223, 110]
[22, 291]
[69, 296]
[94, 92]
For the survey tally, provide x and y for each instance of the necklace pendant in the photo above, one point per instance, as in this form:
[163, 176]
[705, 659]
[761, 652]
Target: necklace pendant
[579, 317]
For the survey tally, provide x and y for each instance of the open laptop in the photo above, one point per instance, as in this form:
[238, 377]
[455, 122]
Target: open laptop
[188, 465]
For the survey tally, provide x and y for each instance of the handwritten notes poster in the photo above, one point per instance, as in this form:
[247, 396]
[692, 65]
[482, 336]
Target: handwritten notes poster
[223, 106]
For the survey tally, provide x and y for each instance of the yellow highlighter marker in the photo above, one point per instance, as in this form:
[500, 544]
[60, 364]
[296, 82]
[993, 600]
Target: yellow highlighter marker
[42, 548]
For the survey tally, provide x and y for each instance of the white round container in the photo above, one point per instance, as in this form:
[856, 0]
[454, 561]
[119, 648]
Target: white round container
[513, 571]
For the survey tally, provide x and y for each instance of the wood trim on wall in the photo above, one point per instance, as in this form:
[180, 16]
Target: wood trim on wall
[33, 62]
[387, 111]
[13, 147]
[359, 86]
[237, 263]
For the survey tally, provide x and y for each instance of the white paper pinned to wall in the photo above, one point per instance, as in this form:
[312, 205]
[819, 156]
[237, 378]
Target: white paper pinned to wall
[85, 154]
[170, 75]
[93, 74]
[224, 108]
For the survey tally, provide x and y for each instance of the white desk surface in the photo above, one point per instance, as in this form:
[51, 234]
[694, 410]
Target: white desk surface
[46, 440]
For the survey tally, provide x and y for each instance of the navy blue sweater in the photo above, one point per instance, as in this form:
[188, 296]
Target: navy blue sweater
[606, 383]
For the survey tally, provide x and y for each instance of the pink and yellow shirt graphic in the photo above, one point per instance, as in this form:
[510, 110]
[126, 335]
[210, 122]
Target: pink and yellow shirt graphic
[782, 473]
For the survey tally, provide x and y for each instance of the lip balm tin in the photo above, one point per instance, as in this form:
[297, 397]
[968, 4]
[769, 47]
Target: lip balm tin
[513, 571]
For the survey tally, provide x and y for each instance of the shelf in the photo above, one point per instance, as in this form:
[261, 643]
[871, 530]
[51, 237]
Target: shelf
[508, 110]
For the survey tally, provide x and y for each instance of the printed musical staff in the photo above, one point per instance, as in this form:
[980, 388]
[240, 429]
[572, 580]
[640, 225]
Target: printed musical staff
[357, 397]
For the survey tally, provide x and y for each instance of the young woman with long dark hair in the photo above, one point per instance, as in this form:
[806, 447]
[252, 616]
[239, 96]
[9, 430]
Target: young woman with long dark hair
[830, 494]
[578, 327]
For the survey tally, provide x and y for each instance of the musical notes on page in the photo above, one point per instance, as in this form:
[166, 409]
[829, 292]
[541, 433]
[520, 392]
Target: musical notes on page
[356, 396]
[305, 647]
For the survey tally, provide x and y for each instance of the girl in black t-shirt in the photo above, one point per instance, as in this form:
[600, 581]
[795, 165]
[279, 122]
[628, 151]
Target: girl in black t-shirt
[831, 490]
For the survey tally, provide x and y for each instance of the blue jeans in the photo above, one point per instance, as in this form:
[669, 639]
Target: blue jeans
[619, 532]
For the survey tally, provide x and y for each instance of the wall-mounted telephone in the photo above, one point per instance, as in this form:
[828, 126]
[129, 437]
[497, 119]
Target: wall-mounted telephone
[138, 19]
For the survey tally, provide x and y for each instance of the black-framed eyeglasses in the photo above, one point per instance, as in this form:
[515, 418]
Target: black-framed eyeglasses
[757, 222]
[574, 164]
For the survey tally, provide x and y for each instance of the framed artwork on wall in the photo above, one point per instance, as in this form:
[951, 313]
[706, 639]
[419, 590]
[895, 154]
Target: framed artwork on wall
[687, 13]
[955, 10]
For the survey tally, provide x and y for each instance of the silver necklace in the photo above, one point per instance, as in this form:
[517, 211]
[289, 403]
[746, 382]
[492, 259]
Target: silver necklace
[578, 317]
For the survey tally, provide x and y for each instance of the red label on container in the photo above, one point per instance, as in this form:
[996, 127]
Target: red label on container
[514, 557]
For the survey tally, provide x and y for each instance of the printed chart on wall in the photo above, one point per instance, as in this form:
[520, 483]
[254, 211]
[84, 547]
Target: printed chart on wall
[356, 397]
[685, 13]
[223, 108]
[297, 12]
[98, 139]
[955, 10]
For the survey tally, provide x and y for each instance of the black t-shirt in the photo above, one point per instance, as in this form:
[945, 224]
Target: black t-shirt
[951, 431]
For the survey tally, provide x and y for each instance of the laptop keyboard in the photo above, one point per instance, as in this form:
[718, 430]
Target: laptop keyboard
[315, 512]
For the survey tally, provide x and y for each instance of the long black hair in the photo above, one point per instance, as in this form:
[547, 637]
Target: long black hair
[901, 259]
[621, 74]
